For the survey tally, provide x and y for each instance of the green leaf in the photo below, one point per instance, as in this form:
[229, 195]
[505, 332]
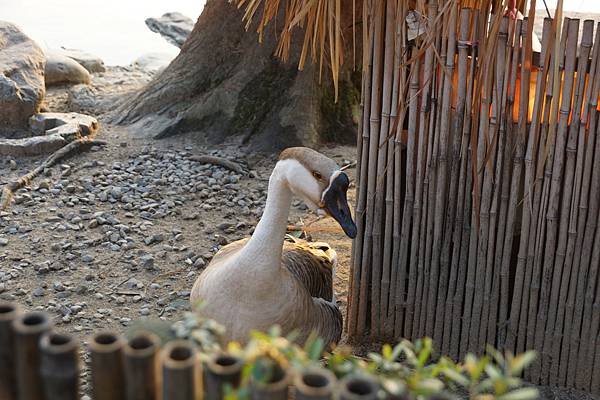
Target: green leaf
[455, 376]
[520, 362]
[315, 349]
[520, 394]
[386, 351]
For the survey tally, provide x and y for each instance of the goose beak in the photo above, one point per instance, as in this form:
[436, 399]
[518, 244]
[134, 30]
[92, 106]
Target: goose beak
[335, 203]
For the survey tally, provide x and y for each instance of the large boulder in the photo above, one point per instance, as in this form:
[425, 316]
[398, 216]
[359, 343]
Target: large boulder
[153, 62]
[88, 61]
[68, 125]
[31, 146]
[174, 27]
[61, 69]
[21, 79]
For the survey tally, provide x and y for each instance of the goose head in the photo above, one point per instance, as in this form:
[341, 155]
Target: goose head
[320, 183]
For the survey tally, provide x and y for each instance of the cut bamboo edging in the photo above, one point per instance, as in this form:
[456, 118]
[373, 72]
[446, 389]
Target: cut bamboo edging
[314, 384]
[8, 385]
[28, 329]
[277, 388]
[140, 366]
[179, 371]
[107, 376]
[221, 370]
[59, 366]
[357, 387]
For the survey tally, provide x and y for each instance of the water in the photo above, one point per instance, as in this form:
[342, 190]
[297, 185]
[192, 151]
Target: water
[114, 30]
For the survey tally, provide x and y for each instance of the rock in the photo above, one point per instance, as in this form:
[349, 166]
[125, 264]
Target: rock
[174, 27]
[61, 69]
[31, 146]
[21, 78]
[153, 62]
[12, 164]
[67, 125]
[82, 98]
[3, 241]
[87, 61]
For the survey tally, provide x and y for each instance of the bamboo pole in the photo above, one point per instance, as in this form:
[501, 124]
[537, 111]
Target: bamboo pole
[545, 157]
[458, 325]
[275, 389]
[381, 262]
[59, 366]
[179, 371]
[314, 384]
[440, 274]
[552, 216]
[568, 217]
[495, 310]
[221, 370]
[520, 298]
[106, 366]
[8, 384]
[374, 281]
[408, 210]
[28, 328]
[416, 272]
[359, 284]
[454, 225]
[140, 353]
[588, 211]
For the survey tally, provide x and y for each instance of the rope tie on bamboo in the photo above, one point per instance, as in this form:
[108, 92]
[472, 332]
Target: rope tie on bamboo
[467, 43]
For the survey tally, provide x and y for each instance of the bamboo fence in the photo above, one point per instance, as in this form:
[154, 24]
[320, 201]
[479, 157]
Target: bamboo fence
[481, 227]
[38, 363]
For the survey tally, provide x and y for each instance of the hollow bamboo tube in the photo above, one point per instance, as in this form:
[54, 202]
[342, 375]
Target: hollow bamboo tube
[275, 389]
[8, 384]
[314, 384]
[140, 356]
[59, 366]
[106, 366]
[28, 329]
[179, 371]
[550, 279]
[355, 387]
[568, 216]
[221, 370]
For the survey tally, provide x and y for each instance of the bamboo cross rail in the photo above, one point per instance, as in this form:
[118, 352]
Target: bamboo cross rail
[483, 230]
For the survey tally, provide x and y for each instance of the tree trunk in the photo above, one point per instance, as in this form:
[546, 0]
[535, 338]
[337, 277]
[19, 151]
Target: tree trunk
[225, 86]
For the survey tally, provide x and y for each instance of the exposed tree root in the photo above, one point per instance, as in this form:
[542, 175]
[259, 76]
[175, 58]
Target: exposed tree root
[75, 147]
[223, 162]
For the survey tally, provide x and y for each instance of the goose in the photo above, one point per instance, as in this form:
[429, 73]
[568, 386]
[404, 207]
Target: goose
[271, 278]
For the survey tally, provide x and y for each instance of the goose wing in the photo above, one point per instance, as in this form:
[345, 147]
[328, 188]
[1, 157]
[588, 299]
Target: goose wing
[312, 264]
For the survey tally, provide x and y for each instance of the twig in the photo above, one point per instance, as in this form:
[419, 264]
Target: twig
[75, 147]
[223, 162]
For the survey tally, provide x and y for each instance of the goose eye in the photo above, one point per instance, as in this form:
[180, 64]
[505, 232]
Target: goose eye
[317, 175]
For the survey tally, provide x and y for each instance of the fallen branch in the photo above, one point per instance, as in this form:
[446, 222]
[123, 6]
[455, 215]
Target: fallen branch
[223, 162]
[75, 147]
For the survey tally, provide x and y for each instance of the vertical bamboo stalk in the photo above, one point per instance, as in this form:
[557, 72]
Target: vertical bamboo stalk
[554, 196]
[585, 231]
[59, 367]
[381, 262]
[463, 113]
[440, 275]
[567, 224]
[275, 389]
[425, 107]
[545, 156]
[179, 371]
[28, 329]
[221, 370]
[314, 384]
[358, 298]
[520, 299]
[408, 221]
[106, 366]
[375, 111]
[140, 366]
[8, 385]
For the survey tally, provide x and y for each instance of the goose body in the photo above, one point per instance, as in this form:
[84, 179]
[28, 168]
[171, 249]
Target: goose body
[266, 280]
